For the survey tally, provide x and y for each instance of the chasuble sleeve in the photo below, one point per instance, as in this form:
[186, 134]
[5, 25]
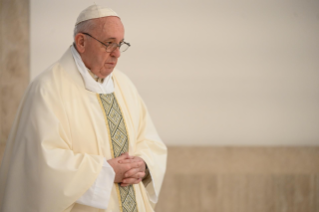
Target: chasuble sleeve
[41, 172]
[98, 195]
[153, 151]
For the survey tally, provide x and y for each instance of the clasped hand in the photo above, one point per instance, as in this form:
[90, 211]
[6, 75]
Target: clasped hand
[128, 169]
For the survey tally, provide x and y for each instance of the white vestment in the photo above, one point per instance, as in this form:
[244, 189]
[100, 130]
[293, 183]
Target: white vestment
[59, 142]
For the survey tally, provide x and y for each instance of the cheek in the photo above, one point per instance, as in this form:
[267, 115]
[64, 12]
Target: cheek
[100, 61]
[105, 59]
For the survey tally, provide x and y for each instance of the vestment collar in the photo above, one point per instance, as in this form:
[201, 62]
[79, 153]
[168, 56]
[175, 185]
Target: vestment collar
[107, 86]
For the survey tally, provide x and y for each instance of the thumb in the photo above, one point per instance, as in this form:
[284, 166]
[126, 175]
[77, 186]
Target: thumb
[124, 156]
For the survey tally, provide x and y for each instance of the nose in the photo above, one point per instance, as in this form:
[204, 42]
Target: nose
[116, 53]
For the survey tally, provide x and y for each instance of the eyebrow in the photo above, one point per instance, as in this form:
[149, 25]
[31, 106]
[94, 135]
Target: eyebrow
[112, 39]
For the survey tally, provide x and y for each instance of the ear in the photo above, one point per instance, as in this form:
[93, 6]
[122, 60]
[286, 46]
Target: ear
[80, 42]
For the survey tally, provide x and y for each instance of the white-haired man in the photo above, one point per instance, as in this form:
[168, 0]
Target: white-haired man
[82, 139]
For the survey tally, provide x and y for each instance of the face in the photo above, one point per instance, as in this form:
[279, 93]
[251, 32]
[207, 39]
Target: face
[93, 53]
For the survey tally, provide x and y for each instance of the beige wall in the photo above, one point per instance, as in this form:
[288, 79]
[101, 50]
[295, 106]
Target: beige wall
[14, 59]
[211, 72]
[241, 179]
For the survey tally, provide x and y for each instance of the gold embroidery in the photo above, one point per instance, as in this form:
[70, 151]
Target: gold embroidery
[120, 144]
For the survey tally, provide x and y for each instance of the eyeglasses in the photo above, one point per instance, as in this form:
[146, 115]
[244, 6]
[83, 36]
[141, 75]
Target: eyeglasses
[110, 47]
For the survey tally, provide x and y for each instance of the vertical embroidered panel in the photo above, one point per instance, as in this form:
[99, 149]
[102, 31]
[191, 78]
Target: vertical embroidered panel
[120, 145]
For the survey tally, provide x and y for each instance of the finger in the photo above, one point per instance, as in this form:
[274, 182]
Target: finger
[123, 156]
[128, 166]
[135, 175]
[127, 160]
[138, 164]
[131, 172]
[131, 180]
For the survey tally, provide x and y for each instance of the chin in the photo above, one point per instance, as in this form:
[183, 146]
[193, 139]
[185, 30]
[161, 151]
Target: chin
[106, 73]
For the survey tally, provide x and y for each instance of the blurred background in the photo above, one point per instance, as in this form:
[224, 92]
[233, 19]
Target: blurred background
[232, 87]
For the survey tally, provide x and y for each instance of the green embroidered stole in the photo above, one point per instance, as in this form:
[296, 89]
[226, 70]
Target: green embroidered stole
[120, 144]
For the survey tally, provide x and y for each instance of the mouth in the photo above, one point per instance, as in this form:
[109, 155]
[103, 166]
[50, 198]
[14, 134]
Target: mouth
[110, 64]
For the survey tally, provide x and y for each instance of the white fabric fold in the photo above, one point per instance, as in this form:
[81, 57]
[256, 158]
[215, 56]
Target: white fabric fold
[151, 191]
[99, 193]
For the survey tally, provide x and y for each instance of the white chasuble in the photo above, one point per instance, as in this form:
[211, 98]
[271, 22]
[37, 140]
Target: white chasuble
[59, 142]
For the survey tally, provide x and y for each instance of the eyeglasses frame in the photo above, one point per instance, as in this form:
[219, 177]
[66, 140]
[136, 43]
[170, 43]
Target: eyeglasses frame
[117, 45]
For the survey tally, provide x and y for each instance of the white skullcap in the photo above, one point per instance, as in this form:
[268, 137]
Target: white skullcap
[95, 11]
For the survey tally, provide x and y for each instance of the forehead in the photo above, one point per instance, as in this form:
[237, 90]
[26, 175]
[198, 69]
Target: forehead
[109, 27]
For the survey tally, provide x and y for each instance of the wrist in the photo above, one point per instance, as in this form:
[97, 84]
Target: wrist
[147, 171]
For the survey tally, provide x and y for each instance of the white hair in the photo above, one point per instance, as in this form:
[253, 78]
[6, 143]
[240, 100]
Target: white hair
[85, 26]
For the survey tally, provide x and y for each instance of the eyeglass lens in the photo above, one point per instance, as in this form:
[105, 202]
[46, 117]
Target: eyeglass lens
[112, 47]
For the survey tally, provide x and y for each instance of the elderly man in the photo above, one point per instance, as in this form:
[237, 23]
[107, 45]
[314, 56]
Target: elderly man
[83, 139]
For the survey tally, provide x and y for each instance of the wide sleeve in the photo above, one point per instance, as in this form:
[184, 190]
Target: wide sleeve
[153, 151]
[41, 172]
[98, 195]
